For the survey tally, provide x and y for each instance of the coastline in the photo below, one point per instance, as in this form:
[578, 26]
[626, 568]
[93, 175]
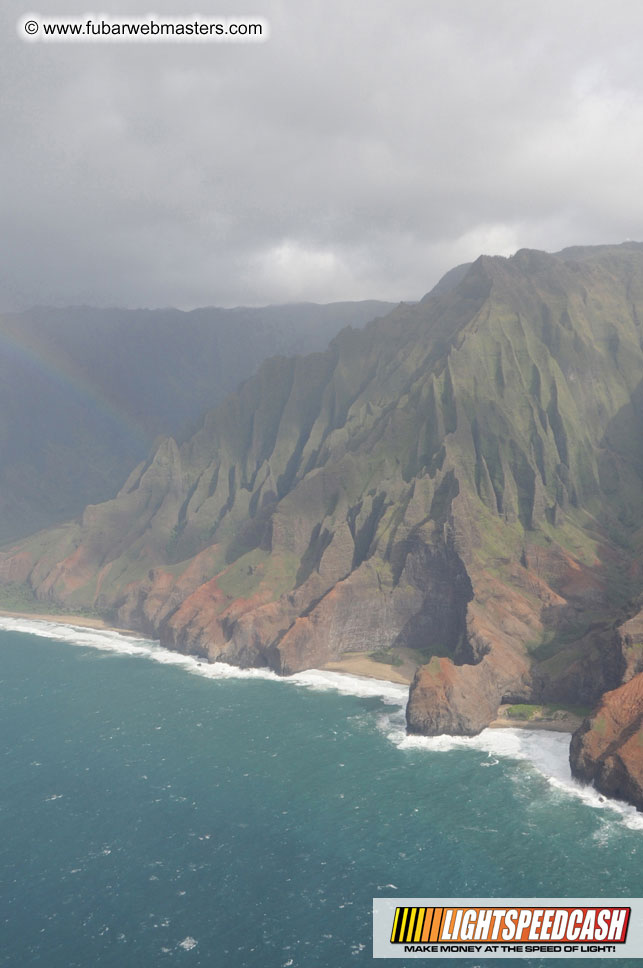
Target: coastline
[543, 742]
[82, 621]
[541, 725]
[352, 664]
[356, 664]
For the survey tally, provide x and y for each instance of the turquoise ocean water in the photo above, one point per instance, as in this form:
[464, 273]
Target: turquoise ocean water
[160, 812]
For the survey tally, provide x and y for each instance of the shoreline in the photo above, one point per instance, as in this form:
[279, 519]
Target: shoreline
[542, 725]
[541, 742]
[362, 665]
[81, 621]
[353, 664]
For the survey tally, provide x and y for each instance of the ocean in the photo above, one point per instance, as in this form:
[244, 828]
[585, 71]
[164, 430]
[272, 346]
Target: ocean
[161, 811]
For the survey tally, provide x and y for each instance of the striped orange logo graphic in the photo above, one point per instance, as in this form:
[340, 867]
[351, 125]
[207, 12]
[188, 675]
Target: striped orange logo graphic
[450, 925]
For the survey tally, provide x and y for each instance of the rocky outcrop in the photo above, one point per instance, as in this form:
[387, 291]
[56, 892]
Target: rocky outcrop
[607, 750]
[461, 700]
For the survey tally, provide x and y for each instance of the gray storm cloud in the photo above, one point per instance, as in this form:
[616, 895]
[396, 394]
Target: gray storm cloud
[361, 151]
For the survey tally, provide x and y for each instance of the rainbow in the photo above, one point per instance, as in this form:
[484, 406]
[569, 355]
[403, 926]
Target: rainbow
[22, 348]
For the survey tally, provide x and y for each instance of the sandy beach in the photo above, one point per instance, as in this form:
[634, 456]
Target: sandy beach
[360, 664]
[545, 725]
[83, 621]
[352, 663]
[561, 722]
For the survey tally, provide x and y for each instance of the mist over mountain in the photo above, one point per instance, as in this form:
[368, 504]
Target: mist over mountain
[460, 483]
[84, 392]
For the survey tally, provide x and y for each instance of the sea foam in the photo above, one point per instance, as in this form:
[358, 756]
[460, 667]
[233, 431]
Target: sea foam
[110, 640]
[392, 693]
[547, 752]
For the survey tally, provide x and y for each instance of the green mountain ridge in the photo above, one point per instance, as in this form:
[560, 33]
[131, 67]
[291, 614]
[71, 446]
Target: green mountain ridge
[460, 481]
[84, 393]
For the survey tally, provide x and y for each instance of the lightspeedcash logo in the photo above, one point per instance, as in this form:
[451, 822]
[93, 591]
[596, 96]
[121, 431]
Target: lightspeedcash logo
[450, 925]
[491, 927]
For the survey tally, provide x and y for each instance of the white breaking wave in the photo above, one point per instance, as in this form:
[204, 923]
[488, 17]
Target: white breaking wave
[547, 752]
[392, 693]
[110, 640]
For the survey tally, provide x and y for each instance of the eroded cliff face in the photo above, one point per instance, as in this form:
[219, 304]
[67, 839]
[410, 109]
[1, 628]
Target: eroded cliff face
[462, 479]
[84, 393]
[607, 749]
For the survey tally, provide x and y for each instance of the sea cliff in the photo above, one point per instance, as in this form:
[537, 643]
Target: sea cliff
[461, 481]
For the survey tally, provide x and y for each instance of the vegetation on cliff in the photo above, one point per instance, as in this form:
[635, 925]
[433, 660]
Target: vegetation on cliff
[85, 392]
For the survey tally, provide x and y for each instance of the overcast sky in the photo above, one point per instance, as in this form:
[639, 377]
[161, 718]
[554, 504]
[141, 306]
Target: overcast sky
[361, 151]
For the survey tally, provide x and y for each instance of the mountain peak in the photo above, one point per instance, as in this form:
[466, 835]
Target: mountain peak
[458, 486]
